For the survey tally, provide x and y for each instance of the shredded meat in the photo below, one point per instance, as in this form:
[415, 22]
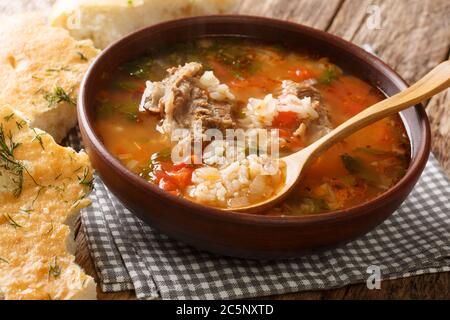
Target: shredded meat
[180, 100]
[301, 89]
[319, 126]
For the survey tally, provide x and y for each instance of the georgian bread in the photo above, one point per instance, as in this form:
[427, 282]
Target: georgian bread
[38, 65]
[37, 216]
[105, 21]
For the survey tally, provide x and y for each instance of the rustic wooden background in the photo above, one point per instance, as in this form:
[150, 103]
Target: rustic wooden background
[413, 36]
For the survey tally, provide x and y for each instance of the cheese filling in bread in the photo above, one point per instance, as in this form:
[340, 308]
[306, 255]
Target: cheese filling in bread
[42, 188]
[105, 21]
[40, 71]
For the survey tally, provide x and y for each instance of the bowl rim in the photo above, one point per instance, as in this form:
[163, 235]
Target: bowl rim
[414, 170]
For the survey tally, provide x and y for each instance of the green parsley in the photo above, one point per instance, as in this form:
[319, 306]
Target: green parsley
[54, 269]
[11, 221]
[57, 96]
[82, 56]
[38, 138]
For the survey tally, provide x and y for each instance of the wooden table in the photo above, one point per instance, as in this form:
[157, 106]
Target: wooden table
[410, 35]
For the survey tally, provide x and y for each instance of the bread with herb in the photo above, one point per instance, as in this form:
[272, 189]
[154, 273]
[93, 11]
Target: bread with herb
[43, 186]
[105, 21]
[40, 71]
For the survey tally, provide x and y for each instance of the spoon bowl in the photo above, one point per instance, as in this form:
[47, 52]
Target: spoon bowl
[432, 83]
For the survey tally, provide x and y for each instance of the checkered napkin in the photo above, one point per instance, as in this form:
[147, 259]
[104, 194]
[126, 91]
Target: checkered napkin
[128, 254]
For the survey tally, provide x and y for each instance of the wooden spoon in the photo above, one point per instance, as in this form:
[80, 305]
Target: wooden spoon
[432, 83]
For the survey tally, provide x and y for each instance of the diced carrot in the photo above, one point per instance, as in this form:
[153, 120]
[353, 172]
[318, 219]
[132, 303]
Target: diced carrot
[286, 119]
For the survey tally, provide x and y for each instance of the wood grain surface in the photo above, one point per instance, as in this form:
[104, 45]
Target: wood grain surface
[412, 36]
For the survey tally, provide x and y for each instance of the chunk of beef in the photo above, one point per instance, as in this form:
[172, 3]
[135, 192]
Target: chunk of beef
[301, 89]
[213, 115]
[181, 100]
[319, 126]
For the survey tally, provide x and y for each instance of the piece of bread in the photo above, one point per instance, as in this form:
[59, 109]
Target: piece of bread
[105, 21]
[42, 188]
[40, 71]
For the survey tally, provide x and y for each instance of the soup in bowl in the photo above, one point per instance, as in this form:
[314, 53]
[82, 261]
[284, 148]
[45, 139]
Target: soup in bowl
[186, 118]
[243, 97]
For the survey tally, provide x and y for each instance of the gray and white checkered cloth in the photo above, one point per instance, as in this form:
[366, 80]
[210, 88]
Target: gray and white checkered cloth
[128, 254]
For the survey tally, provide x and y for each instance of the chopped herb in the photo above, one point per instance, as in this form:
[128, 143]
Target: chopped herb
[11, 221]
[131, 86]
[163, 155]
[328, 76]
[9, 163]
[7, 146]
[37, 195]
[7, 118]
[38, 137]
[130, 2]
[82, 56]
[58, 69]
[85, 179]
[356, 167]
[77, 169]
[58, 95]
[60, 189]
[321, 205]
[20, 124]
[352, 165]
[76, 203]
[36, 78]
[54, 269]
[4, 260]
[239, 60]
[139, 68]
[27, 211]
[50, 230]
[307, 205]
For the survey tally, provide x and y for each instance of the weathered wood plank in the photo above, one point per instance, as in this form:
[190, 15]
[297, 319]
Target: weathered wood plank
[438, 110]
[430, 286]
[413, 37]
[313, 13]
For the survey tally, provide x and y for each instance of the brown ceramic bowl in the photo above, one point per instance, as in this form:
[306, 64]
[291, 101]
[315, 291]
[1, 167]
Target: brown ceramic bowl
[238, 234]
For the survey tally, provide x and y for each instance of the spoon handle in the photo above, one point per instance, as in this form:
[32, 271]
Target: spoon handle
[432, 83]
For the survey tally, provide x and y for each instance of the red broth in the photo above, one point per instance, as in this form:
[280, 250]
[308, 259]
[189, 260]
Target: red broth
[352, 172]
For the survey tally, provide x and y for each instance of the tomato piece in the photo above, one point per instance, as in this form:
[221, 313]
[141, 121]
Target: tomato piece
[167, 185]
[285, 119]
[300, 74]
[182, 178]
[179, 166]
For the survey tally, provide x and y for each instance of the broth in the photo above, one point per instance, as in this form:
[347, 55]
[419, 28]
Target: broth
[351, 172]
